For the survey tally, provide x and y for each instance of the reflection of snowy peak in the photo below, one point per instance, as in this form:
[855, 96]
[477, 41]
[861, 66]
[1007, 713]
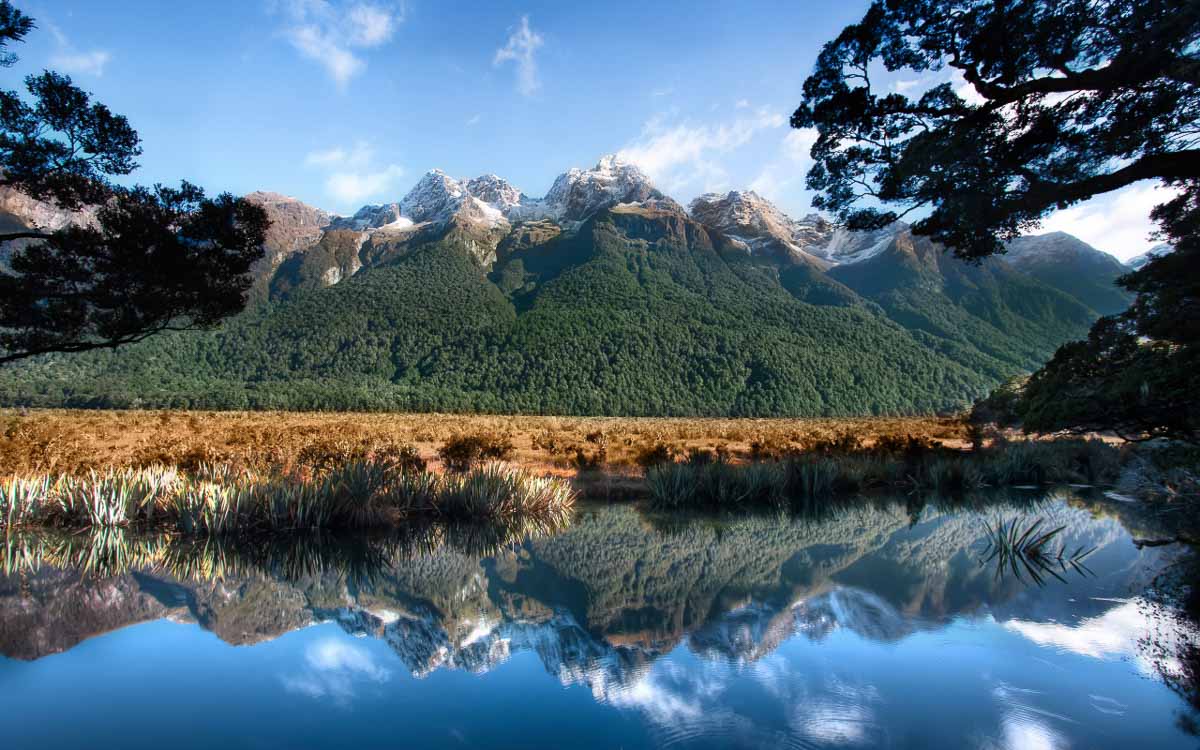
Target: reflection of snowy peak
[858, 611]
[425, 642]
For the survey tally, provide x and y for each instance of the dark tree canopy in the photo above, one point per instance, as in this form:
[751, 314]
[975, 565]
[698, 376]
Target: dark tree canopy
[1075, 98]
[1138, 373]
[151, 259]
[1072, 99]
[156, 259]
[62, 147]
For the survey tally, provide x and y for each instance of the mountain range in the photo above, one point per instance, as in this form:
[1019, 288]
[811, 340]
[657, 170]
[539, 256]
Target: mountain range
[605, 296]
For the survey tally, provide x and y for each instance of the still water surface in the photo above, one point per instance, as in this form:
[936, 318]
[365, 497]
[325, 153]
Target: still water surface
[876, 626]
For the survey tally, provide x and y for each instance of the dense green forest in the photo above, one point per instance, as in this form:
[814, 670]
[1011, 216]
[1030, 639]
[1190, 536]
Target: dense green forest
[639, 312]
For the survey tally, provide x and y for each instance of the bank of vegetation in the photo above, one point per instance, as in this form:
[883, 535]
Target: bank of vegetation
[372, 493]
[847, 467]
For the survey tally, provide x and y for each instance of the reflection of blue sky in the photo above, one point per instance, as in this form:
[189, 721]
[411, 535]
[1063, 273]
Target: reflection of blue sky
[993, 685]
[773, 701]
[332, 668]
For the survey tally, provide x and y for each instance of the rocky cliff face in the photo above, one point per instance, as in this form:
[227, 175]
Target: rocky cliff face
[295, 227]
[763, 228]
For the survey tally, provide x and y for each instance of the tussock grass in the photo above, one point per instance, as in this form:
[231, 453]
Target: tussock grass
[219, 499]
[75, 441]
[847, 467]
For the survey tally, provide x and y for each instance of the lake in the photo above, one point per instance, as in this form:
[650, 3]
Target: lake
[876, 624]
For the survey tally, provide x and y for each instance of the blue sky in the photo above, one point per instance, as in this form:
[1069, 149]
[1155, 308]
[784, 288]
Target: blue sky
[346, 102]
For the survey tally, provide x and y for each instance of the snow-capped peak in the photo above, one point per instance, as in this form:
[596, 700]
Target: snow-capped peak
[1157, 251]
[755, 221]
[496, 192]
[578, 193]
[434, 198]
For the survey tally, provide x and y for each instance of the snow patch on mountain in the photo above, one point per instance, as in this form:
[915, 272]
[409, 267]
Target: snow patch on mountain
[1157, 251]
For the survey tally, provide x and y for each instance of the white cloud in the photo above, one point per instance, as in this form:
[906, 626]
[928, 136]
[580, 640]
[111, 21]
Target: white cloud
[966, 90]
[904, 86]
[330, 32]
[686, 154]
[783, 175]
[743, 104]
[333, 668]
[521, 47]
[1115, 634]
[357, 187]
[86, 63]
[474, 119]
[1117, 223]
[798, 143]
[354, 174]
[68, 59]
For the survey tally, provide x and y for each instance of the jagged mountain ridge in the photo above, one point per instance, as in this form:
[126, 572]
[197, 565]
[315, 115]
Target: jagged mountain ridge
[603, 297]
[491, 210]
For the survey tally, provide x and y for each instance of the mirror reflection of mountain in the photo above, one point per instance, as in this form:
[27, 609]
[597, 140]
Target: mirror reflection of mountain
[601, 601]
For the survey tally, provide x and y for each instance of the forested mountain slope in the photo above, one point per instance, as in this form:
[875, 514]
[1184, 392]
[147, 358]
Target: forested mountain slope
[604, 297]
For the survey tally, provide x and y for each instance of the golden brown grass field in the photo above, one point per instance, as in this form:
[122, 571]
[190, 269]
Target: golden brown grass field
[65, 441]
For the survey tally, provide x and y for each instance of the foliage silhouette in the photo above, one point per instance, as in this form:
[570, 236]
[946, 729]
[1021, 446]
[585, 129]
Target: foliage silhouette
[136, 261]
[1071, 100]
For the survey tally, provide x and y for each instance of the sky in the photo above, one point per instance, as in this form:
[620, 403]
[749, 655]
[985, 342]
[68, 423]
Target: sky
[346, 102]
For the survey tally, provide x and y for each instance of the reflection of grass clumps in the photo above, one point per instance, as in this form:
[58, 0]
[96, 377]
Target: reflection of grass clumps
[218, 500]
[1031, 549]
[843, 466]
[358, 557]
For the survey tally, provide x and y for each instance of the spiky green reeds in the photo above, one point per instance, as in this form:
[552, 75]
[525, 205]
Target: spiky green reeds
[219, 499]
[1027, 548]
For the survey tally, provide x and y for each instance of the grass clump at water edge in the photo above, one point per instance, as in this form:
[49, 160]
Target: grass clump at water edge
[845, 467]
[219, 499]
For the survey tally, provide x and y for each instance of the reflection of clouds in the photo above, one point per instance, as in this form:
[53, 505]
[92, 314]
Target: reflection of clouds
[1024, 726]
[333, 666]
[1112, 635]
[683, 701]
[842, 715]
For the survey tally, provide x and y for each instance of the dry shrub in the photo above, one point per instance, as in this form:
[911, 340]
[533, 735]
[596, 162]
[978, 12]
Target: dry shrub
[461, 452]
[655, 454]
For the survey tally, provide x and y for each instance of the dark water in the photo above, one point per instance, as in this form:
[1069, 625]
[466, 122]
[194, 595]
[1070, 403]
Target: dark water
[873, 627]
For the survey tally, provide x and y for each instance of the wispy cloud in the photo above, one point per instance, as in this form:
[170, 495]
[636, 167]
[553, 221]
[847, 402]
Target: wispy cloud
[474, 119]
[685, 154]
[1118, 223]
[334, 33]
[354, 174]
[69, 59]
[786, 173]
[521, 48]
